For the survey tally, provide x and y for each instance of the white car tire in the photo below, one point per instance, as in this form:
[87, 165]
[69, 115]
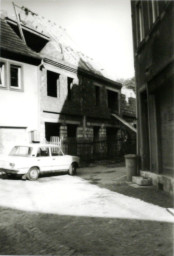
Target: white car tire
[72, 169]
[33, 173]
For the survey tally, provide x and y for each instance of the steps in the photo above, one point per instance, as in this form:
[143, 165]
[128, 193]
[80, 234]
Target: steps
[141, 181]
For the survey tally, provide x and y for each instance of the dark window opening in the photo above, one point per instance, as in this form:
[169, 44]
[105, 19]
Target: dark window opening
[111, 142]
[113, 101]
[160, 186]
[70, 84]
[96, 139]
[97, 95]
[96, 133]
[71, 139]
[52, 129]
[35, 41]
[71, 130]
[15, 75]
[52, 83]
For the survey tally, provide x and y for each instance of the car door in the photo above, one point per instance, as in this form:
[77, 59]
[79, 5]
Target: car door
[59, 160]
[43, 159]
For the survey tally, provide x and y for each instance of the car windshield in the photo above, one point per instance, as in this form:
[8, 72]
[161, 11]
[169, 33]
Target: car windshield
[21, 151]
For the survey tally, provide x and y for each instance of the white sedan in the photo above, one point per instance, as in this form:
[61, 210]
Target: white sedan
[32, 159]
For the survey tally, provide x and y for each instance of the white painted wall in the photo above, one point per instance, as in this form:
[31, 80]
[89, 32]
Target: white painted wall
[21, 108]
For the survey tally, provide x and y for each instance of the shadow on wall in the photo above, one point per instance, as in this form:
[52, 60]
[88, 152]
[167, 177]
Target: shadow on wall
[84, 100]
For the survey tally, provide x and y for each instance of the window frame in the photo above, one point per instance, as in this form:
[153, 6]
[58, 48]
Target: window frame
[7, 75]
[56, 149]
[40, 149]
[3, 85]
[140, 30]
[19, 77]
[155, 10]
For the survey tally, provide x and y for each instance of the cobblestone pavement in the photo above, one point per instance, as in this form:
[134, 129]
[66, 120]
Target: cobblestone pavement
[93, 214]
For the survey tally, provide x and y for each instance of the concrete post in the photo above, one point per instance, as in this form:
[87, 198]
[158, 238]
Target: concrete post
[131, 166]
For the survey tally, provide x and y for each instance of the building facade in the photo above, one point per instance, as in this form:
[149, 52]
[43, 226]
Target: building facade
[71, 98]
[76, 106]
[19, 91]
[153, 36]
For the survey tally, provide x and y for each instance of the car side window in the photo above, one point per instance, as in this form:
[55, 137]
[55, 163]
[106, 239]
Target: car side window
[56, 151]
[43, 151]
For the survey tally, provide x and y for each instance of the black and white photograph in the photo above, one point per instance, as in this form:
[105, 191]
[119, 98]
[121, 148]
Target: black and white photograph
[87, 127]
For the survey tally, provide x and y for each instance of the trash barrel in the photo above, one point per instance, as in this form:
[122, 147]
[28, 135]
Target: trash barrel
[131, 166]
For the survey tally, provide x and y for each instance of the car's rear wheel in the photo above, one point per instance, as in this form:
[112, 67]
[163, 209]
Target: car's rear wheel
[72, 169]
[33, 173]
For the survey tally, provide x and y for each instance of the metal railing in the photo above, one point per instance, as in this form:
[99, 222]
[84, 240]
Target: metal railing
[96, 150]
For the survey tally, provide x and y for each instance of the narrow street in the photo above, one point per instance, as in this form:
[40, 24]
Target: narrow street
[93, 213]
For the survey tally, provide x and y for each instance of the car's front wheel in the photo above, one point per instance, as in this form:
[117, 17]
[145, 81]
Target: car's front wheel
[72, 169]
[33, 173]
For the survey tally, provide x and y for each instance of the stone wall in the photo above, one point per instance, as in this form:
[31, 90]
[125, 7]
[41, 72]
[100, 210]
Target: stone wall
[128, 107]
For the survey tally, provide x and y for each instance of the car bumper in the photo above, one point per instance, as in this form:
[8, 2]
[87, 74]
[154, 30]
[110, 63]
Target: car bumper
[12, 171]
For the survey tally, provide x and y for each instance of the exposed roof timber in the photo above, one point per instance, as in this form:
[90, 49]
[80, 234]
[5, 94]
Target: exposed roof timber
[79, 70]
[13, 47]
[124, 122]
[28, 29]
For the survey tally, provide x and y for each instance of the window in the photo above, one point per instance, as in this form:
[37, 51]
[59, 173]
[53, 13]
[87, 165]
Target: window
[52, 84]
[55, 151]
[44, 151]
[10, 75]
[70, 84]
[113, 101]
[71, 130]
[97, 95]
[140, 22]
[155, 10]
[15, 76]
[21, 151]
[2, 74]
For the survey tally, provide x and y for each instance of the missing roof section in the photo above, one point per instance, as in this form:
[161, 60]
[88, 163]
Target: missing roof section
[35, 40]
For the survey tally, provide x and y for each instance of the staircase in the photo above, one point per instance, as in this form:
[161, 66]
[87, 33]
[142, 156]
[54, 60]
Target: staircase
[142, 181]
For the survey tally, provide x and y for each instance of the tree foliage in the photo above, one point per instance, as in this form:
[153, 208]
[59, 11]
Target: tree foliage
[129, 83]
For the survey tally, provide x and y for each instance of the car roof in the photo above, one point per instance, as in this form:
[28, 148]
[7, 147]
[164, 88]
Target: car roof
[37, 145]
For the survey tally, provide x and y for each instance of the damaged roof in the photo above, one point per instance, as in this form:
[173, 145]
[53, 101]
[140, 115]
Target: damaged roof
[57, 46]
[61, 46]
[14, 47]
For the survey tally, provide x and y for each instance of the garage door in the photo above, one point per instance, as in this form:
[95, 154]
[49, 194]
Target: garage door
[11, 136]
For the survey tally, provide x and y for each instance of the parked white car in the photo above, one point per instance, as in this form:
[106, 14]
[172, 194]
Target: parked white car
[32, 159]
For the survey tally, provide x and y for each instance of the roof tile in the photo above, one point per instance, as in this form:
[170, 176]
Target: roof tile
[9, 41]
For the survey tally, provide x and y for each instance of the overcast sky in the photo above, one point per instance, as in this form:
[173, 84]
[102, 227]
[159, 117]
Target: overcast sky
[102, 28]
